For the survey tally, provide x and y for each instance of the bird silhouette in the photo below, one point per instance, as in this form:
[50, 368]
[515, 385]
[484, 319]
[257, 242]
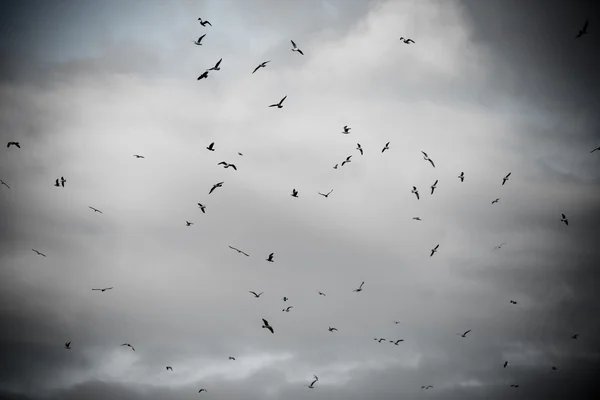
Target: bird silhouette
[427, 387]
[583, 31]
[464, 334]
[232, 358]
[496, 200]
[396, 322]
[204, 23]
[202, 208]
[359, 289]
[596, 149]
[505, 178]
[554, 368]
[417, 218]
[564, 219]
[386, 147]
[332, 329]
[294, 193]
[347, 160]
[285, 298]
[16, 144]
[415, 191]
[321, 293]
[38, 253]
[270, 258]
[499, 246]
[514, 386]
[426, 158]
[575, 336]
[505, 364]
[397, 342]
[128, 345]
[381, 340]
[280, 104]
[203, 75]
[240, 251]
[68, 345]
[325, 195]
[434, 250]
[95, 209]
[433, 187]
[56, 183]
[138, 156]
[4, 183]
[211, 146]
[216, 67]
[62, 181]
[335, 166]
[187, 223]
[267, 326]
[226, 165]
[104, 289]
[199, 41]
[359, 148]
[462, 177]
[256, 295]
[513, 302]
[202, 390]
[346, 130]
[287, 309]
[295, 48]
[261, 65]
[216, 185]
[312, 385]
[169, 368]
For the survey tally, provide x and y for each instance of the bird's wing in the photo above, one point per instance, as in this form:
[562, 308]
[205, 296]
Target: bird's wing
[271, 329]
[271, 255]
[260, 293]
[425, 154]
[218, 62]
[585, 25]
[435, 182]
[300, 51]
[467, 331]
[361, 285]
[233, 166]
[431, 161]
[293, 44]
[285, 97]
[254, 293]
[222, 162]
[201, 37]
[417, 195]
[256, 69]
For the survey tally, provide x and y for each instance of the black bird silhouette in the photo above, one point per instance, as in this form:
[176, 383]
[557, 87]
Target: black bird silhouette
[505, 178]
[239, 251]
[434, 250]
[211, 146]
[417, 218]
[433, 187]
[280, 104]
[202, 208]
[256, 295]
[427, 387]
[514, 386]
[321, 293]
[203, 75]
[216, 185]
[199, 41]
[287, 309]
[426, 158]
[312, 385]
[495, 201]
[346, 130]
[285, 298]
[295, 48]
[4, 183]
[138, 156]
[240, 154]
[261, 65]
[397, 341]
[187, 223]
[505, 364]
[226, 165]
[95, 209]
[38, 253]
[128, 345]
[407, 41]
[583, 30]
[596, 149]
[347, 160]
[216, 67]
[169, 368]
[332, 329]
[202, 390]
[381, 340]
[294, 193]
[267, 326]
[359, 289]
[462, 177]
[386, 147]
[270, 258]
[325, 195]
[554, 368]
[359, 148]
[62, 181]
[415, 191]
[104, 289]
[464, 334]
[232, 358]
[513, 302]
[68, 345]
[564, 219]
[56, 183]
[204, 23]
[17, 144]
[499, 246]
[335, 166]
[575, 336]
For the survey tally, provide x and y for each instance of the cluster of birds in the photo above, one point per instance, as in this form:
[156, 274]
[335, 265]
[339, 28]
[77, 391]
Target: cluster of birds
[60, 182]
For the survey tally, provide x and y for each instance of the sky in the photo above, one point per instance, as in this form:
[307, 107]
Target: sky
[487, 88]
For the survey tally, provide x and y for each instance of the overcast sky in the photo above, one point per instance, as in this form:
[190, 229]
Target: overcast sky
[489, 87]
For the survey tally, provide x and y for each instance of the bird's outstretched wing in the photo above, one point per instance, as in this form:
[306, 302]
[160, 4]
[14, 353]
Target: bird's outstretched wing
[300, 51]
[254, 293]
[293, 44]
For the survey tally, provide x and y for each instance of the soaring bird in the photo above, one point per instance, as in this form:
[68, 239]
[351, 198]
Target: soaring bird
[464, 334]
[280, 104]
[239, 251]
[347, 160]
[232, 358]
[311, 386]
[204, 23]
[513, 302]
[381, 340]
[198, 42]
[505, 364]
[499, 246]
[564, 219]
[321, 293]
[505, 178]
[138, 156]
[68, 345]
[256, 295]
[433, 187]
[294, 193]
[4, 183]
[295, 48]
[56, 183]
[95, 209]
[203, 75]
[575, 336]
[407, 41]
[13, 144]
[554, 368]
[434, 250]
[270, 258]
[169, 368]
[62, 181]
[211, 146]
[397, 341]
[104, 289]
[427, 387]
[335, 166]
[216, 67]
[267, 326]
[202, 208]
[596, 149]
[583, 30]
[325, 195]
[332, 329]
[285, 298]
[287, 309]
[415, 191]
[426, 158]
[38, 253]
[226, 165]
[261, 65]
[386, 147]
[202, 390]
[417, 218]
[128, 345]
[346, 130]
[216, 185]
[187, 223]
[359, 289]
[496, 200]
[514, 386]
[359, 148]
[462, 177]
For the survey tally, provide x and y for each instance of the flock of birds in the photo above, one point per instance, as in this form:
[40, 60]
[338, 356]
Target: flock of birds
[60, 182]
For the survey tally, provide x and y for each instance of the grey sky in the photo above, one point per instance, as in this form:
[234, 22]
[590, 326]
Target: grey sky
[85, 85]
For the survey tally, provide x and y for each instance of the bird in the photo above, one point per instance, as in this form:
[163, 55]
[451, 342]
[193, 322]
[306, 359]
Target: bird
[514, 386]
[138, 156]
[226, 165]
[433, 187]
[216, 185]
[426, 158]
[464, 334]
[381, 340]
[321, 293]
[396, 322]
[505, 178]
[56, 183]
[495, 201]
[294, 193]
[575, 336]
[462, 177]
[216, 67]
[256, 295]
[499, 246]
[359, 148]
[417, 218]
[311, 386]
[4, 183]
[38, 253]
[202, 208]
[564, 219]
[270, 258]
[325, 195]
[397, 341]
[359, 289]
[386, 147]
[583, 30]
[128, 345]
[347, 160]
[267, 326]
[407, 41]
[280, 104]
[17, 144]
[202, 390]
[232, 358]
[346, 130]
[104, 289]
[434, 250]
[211, 146]
[239, 251]
[261, 65]
[62, 181]
[68, 345]
[415, 191]
[169, 368]
[240, 154]
[505, 364]
[332, 329]
[287, 309]
[187, 223]
[285, 298]
[335, 166]
[198, 42]
[204, 23]
[513, 302]
[295, 48]
[427, 387]
[596, 149]
[554, 368]
[203, 75]
[95, 209]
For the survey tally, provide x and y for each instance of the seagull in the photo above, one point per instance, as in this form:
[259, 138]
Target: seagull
[325, 195]
[321, 293]
[381, 340]
[204, 23]
[505, 178]
[495, 201]
[62, 181]
[226, 165]
[256, 295]
[359, 289]
[13, 144]
[346, 130]
[68, 345]
[386, 147]
[426, 158]
[505, 364]
[397, 341]
[415, 191]
[262, 65]
[596, 149]
[38, 253]
[462, 177]
[287, 309]
[169, 368]
[464, 334]
[239, 251]
[332, 329]
[295, 48]
[4, 183]
[513, 302]
[202, 208]
[285, 298]
[267, 326]
[216, 185]
[202, 390]
[407, 41]
[138, 156]
[128, 345]
[426, 387]
[95, 209]
[346, 161]
[311, 386]
[56, 183]
[270, 258]
[279, 105]
[575, 336]
[216, 67]
[104, 290]
[203, 75]
[499, 246]
[335, 166]
[294, 193]
[434, 186]
[198, 42]
[187, 223]
[232, 358]
[434, 250]
[564, 219]
[417, 218]
[211, 146]
[359, 148]
[583, 30]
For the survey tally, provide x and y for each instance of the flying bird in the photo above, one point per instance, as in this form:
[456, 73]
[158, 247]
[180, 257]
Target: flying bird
[187, 223]
[232, 358]
[505, 178]
[426, 158]
[239, 251]
[38, 253]
[4, 183]
[396, 322]
[359, 148]
[68, 345]
[335, 166]
[202, 390]
[499, 246]
[295, 48]
[417, 218]
[386, 147]
[198, 42]
[267, 326]
[128, 345]
[513, 302]
[554, 368]
[332, 329]
[321, 293]
[216, 67]
[514, 386]
[381, 340]
[407, 41]
[211, 146]
[256, 295]
[564, 219]
[204, 23]
[495, 201]
[325, 195]
[95, 209]
[505, 364]
[294, 193]
[262, 65]
[287, 309]
[169, 368]
[462, 177]
[347, 160]
[216, 185]
[397, 341]
[226, 165]
[415, 191]
[583, 30]
[104, 289]
[138, 156]
[311, 386]
[270, 258]
[17, 144]
[427, 387]
[464, 334]
[346, 130]
[596, 149]
[433, 187]
[280, 104]
[62, 181]
[359, 289]
[434, 250]
[285, 298]
[202, 208]
[203, 75]
[240, 154]
[575, 336]
[56, 183]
